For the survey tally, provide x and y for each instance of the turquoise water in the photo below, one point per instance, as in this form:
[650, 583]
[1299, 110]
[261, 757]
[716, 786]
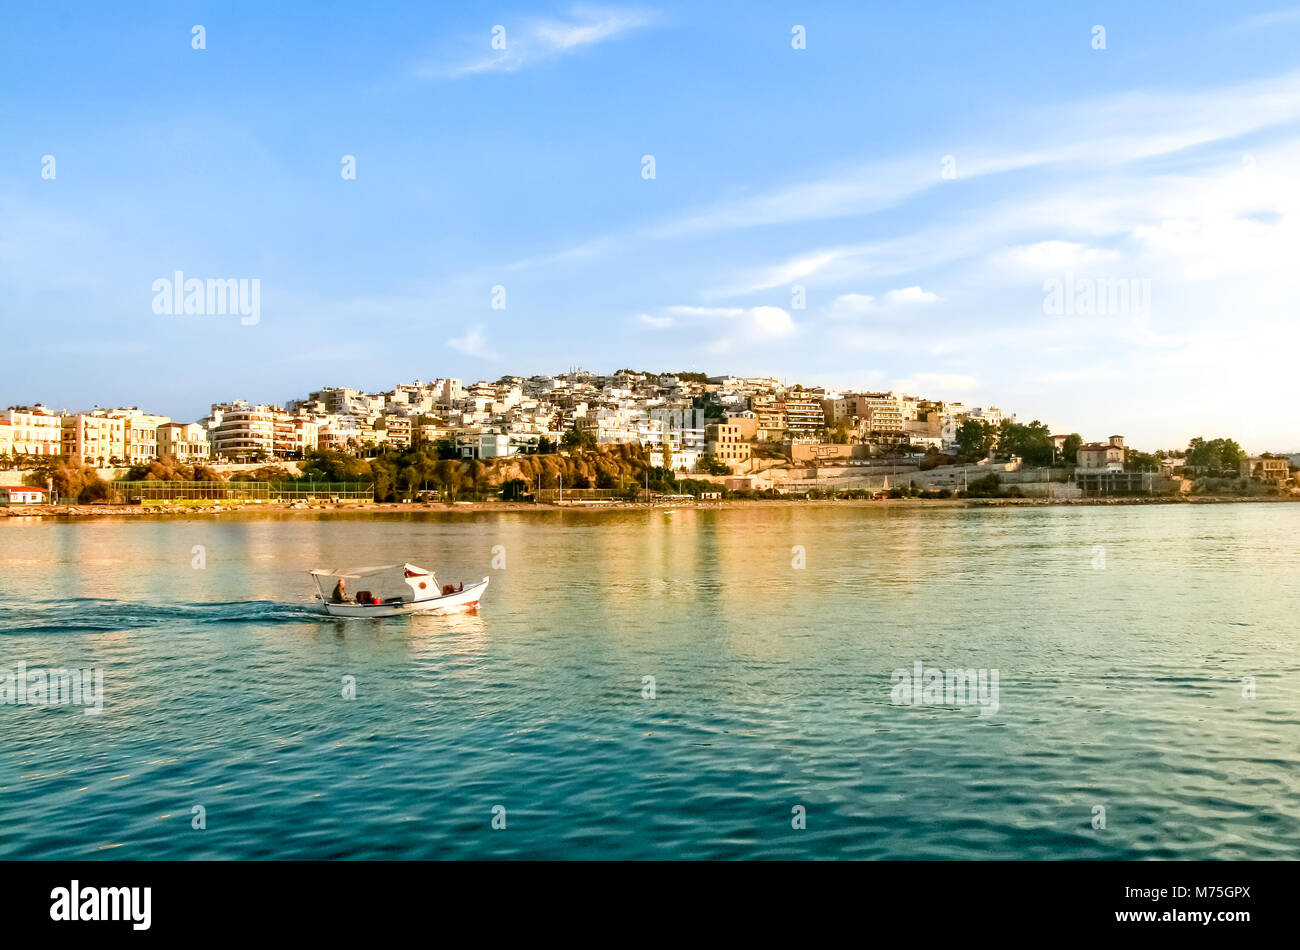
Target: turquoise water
[1120, 675]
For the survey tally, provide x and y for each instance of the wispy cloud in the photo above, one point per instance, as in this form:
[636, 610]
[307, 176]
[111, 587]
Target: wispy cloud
[1270, 18]
[1089, 137]
[851, 306]
[472, 343]
[936, 382]
[540, 40]
[911, 295]
[1051, 257]
[731, 327]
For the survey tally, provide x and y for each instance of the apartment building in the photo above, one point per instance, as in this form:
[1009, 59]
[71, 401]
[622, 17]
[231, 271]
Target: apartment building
[338, 435]
[838, 409]
[447, 392]
[35, 431]
[726, 442]
[241, 431]
[91, 439]
[990, 416]
[672, 453]
[804, 414]
[883, 412]
[794, 413]
[294, 435]
[184, 442]
[399, 430]
[429, 432]
[140, 435]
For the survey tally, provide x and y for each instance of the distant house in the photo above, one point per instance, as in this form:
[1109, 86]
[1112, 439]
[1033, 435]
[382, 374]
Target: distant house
[22, 495]
[1270, 470]
[1105, 456]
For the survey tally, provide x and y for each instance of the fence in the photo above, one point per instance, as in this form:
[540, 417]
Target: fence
[553, 496]
[148, 492]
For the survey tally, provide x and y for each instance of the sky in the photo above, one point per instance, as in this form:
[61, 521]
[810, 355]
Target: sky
[1082, 213]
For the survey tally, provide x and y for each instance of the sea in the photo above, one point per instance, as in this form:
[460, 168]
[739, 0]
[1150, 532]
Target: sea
[775, 681]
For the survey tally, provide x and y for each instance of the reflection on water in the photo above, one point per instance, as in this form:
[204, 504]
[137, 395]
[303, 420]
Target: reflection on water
[770, 634]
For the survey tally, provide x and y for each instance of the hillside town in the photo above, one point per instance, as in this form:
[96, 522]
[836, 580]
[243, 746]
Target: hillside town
[752, 434]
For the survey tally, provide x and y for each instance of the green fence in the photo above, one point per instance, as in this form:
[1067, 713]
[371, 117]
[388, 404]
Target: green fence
[160, 491]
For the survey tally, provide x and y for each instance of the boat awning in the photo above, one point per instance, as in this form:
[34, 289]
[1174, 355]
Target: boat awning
[358, 571]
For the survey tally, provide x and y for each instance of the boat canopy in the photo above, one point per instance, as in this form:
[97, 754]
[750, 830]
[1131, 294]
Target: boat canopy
[388, 582]
[408, 570]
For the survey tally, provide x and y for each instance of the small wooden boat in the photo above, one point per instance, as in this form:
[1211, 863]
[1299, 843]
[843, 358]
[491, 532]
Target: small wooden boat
[391, 590]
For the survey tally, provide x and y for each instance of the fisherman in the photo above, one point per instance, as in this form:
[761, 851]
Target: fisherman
[340, 595]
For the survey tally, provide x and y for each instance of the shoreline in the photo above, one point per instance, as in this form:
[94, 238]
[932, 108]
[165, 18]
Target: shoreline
[84, 512]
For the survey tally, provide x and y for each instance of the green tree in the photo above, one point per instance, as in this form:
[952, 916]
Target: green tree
[1216, 455]
[1032, 442]
[1135, 461]
[514, 489]
[1070, 448]
[986, 487]
[975, 439]
[578, 439]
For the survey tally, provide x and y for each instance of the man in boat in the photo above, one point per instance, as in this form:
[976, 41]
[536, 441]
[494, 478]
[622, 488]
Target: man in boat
[340, 595]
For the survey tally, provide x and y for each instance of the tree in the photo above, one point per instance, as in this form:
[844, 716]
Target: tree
[975, 439]
[986, 487]
[1216, 455]
[328, 465]
[265, 473]
[514, 489]
[1070, 448]
[71, 481]
[1135, 461]
[1032, 442]
[580, 439]
[712, 465]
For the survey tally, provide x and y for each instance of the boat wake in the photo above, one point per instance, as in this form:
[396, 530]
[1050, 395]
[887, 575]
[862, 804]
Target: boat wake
[92, 614]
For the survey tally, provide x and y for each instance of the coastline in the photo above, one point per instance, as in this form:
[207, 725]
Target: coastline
[85, 512]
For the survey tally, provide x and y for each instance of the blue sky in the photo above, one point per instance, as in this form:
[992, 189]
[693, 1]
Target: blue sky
[1167, 158]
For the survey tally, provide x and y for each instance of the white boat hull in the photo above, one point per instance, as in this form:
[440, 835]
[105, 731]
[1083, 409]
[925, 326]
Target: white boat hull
[466, 599]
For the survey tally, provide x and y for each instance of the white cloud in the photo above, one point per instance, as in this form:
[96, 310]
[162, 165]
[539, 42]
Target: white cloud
[1271, 18]
[768, 323]
[688, 311]
[1051, 257]
[938, 384]
[1085, 139]
[541, 40]
[911, 295]
[472, 343]
[737, 326]
[848, 306]
[755, 325]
